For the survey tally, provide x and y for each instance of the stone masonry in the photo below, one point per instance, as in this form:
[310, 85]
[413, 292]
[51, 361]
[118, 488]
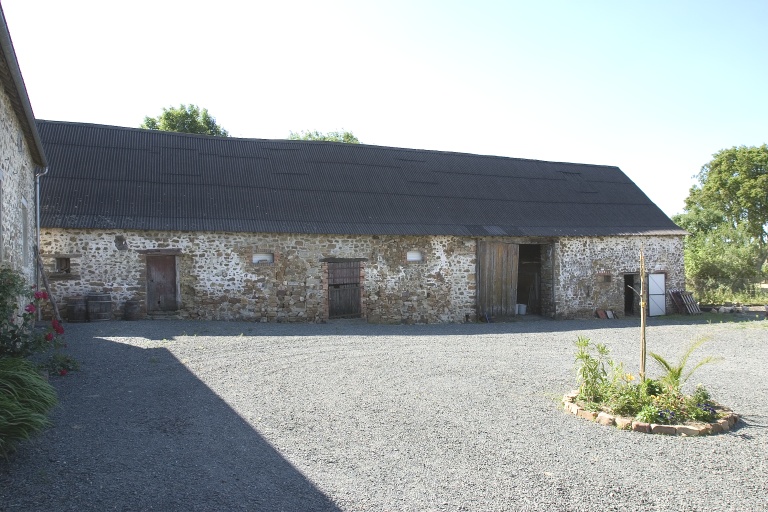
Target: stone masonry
[218, 279]
[17, 194]
[589, 271]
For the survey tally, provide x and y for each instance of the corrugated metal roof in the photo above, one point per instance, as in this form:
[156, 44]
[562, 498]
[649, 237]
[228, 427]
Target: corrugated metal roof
[127, 178]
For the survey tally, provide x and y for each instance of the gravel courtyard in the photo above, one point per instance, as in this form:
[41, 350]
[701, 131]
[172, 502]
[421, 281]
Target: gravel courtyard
[214, 416]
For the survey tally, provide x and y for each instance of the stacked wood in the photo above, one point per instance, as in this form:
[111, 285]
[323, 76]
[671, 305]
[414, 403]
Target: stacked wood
[684, 302]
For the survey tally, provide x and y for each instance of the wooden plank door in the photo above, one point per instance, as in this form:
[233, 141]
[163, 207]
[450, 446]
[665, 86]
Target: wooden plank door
[344, 289]
[161, 283]
[497, 266]
[657, 294]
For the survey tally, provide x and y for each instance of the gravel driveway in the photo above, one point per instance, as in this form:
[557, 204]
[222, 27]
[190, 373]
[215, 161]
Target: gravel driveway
[170, 415]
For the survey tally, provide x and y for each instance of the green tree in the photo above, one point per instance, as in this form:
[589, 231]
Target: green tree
[185, 119]
[726, 213]
[344, 136]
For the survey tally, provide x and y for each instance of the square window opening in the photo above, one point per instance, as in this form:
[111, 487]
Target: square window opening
[263, 258]
[63, 265]
[414, 256]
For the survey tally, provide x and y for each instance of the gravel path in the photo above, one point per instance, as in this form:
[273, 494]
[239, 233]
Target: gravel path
[187, 416]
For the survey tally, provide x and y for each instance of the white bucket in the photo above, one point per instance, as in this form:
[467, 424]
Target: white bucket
[521, 308]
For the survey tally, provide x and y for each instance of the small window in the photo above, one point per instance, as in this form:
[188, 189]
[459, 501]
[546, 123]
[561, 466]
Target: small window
[414, 256]
[63, 265]
[263, 258]
[603, 277]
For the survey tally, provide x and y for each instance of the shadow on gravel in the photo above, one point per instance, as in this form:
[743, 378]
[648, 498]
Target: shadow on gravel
[165, 330]
[135, 430]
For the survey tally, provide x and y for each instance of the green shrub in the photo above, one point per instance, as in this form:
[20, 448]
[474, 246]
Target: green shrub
[25, 399]
[605, 385]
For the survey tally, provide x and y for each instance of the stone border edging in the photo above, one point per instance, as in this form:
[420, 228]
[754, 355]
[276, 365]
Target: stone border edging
[724, 424]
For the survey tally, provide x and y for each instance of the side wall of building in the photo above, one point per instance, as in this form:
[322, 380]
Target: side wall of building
[589, 271]
[217, 278]
[17, 194]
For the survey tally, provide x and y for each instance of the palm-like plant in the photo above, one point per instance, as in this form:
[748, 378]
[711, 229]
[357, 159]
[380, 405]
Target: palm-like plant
[676, 375]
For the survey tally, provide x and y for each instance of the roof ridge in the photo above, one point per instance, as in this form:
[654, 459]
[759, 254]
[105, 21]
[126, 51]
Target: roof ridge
[317, 142]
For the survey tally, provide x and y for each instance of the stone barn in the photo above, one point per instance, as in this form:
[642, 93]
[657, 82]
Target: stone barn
[22, 159]
[192, 226]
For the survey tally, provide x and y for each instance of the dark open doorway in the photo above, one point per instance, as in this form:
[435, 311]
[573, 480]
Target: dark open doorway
[631, 298]
[529, 278]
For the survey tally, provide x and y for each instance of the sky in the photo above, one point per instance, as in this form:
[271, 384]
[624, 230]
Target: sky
[653, 87]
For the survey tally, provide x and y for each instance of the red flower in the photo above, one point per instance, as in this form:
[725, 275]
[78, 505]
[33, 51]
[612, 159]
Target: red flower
[30, 308]
[41, 295]
[49, 336]
[62, 372]
[57, 326]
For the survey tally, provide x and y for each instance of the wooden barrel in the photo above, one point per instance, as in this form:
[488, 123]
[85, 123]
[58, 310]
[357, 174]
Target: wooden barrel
[132, 310]
[99, 307]
[77, 310]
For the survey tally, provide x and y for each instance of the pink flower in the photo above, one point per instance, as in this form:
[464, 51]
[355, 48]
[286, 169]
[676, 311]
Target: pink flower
[30, 308]
[41, 295]
[49, 336]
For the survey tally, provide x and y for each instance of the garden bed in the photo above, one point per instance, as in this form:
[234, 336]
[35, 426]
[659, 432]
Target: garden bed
[727, 420]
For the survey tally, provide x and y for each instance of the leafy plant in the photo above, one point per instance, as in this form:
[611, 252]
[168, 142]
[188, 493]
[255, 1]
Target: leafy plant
[18, 337]
[700, 405]
[60, 364]
[590, 371]
[25, 399]
[648, 414]
[605, 385]
[675, 375]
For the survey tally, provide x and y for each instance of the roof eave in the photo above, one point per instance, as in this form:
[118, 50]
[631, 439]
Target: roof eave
[17, 88]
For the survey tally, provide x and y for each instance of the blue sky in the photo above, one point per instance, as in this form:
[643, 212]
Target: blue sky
[653, 87]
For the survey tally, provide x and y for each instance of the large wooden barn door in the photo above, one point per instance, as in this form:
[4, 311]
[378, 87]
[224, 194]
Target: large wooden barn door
[344, 289]
[497, 264]
[161, 283]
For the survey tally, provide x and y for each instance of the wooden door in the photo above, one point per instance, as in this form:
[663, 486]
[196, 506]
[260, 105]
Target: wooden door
[497, 265]
[344, 289]
[161, 283]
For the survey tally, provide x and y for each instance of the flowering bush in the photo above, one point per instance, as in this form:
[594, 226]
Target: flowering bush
[18, 336]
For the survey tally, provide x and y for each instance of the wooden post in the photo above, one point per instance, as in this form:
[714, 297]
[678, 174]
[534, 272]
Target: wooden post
[56, 314]
[643, 303]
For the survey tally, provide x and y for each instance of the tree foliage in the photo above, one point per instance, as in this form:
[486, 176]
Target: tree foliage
[185, 119]
[343, 136]
[726, 214]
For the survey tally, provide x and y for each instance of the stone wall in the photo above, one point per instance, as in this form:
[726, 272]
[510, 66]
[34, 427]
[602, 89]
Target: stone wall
[17, 194]
[589, 271]
[218, 279]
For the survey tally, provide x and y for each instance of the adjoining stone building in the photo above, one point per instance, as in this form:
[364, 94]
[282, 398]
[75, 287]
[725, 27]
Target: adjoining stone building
[21, 159]
[274, 230]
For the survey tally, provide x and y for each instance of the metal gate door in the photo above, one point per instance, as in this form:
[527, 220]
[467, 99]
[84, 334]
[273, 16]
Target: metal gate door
[497, 278]
[344, 289]
[657, 295]
[161, 283]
